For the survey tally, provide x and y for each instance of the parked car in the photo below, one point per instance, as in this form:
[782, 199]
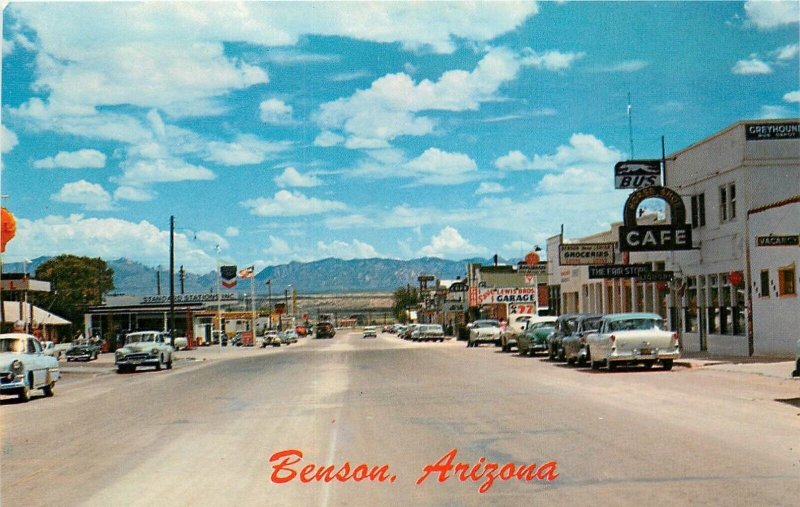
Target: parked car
[509, 337]
[429, 332]
[49, 348]
[370, 332]
[574, 346]
[564, 326]
[325, 330]
[796, 372]
[24, 366]
[534, 338]
[180, 343]
[271, 337]
[288, 337]
[145, 348]
[484, 331]
[82, 351]
[632, 338]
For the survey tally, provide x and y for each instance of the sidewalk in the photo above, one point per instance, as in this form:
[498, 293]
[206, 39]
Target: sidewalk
[767, 366]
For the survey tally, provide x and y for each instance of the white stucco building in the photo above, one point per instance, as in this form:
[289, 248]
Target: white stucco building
[735, 292]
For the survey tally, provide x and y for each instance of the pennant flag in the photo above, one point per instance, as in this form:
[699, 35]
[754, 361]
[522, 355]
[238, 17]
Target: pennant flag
[248, 272]
[228, 275]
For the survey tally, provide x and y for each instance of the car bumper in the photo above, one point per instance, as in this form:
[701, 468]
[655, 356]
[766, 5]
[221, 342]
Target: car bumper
[150, 361]
[484, 338]
[631, 357]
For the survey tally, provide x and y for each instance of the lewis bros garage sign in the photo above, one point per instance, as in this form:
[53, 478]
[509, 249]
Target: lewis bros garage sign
[507, 295]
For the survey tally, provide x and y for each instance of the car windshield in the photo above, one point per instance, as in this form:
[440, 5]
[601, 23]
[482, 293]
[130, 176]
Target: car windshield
[541, 325]
[140, 338]
[12, 345]
[641, 324]
[486, 323]
[432, 328]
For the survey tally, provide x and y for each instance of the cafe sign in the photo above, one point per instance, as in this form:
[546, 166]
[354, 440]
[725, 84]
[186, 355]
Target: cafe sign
[655, 238]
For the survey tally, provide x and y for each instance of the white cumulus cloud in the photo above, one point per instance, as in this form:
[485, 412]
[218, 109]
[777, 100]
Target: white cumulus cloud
[246, 149]
[751, 67]
[771, 14]
[290, 177]
[450, 244]
[91, 196]
[276, 112]
[231, 231]
[439, 167]
[136, 194]
[286, 203]
[73, 160]
[8, 139]
[489, 187]
[793, 97]
[583, 149]
[108, 238]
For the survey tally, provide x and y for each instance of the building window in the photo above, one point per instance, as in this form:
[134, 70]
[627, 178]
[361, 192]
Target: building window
[698, 210]
[764, 284]
[786, 285]
[727, 202]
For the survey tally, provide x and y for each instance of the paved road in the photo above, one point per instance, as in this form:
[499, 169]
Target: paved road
[203, 433]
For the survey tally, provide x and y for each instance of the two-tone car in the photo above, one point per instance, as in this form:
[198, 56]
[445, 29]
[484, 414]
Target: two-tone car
[534, 338]
[574, 345]
[24, 366]
[428, 332]
[484, 331]
[370, 332]
[144, 348]
[632, 338]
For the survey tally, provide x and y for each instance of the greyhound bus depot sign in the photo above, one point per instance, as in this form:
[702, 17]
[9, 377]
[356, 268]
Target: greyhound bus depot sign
[654, 238]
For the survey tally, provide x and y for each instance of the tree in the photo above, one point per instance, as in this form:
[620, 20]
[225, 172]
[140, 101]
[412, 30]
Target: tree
[404, 298]
[75, 284]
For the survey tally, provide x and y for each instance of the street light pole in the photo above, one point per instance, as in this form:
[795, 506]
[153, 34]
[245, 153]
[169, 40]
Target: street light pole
[219, 304]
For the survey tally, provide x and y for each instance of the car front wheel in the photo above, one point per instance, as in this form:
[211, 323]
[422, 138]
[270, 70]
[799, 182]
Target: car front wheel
[667, 363]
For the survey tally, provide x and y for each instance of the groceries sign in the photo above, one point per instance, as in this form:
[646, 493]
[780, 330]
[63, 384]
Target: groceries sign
[586, 254]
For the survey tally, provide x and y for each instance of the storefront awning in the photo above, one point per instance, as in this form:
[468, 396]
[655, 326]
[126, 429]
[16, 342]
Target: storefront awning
[11, 313]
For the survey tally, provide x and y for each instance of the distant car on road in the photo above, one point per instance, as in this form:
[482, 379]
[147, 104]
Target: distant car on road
[84, 351]
[49, 348]
[370, 332]
[564, 326]
[631, 338]
[289, 337]
[180, 343]
[484, 331]
[429, 332]
[144, 348]
[325, 330]
[271, 337]
[24, 367]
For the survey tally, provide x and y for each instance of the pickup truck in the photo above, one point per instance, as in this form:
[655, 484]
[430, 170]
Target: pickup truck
[632, 338]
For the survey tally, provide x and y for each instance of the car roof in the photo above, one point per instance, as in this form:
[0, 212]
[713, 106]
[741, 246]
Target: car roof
[625, 316]
[17, 336]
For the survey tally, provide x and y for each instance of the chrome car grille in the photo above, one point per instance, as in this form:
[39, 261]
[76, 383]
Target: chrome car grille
[137, 357]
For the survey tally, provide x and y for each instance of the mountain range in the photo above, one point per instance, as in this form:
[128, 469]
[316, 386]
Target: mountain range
[321, 276]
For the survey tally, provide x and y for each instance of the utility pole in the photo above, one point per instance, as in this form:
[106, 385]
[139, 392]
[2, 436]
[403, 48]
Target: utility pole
[183, 276]
[172, 277]
[269, 287]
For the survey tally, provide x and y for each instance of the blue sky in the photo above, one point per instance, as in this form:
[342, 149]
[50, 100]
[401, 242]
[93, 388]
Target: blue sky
[300, 131]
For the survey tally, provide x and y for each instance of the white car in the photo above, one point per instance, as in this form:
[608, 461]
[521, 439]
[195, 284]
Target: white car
[24, 366]
[484, 331]
[50, 349]
[630, 338]
[370, 332]
[144, 348]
